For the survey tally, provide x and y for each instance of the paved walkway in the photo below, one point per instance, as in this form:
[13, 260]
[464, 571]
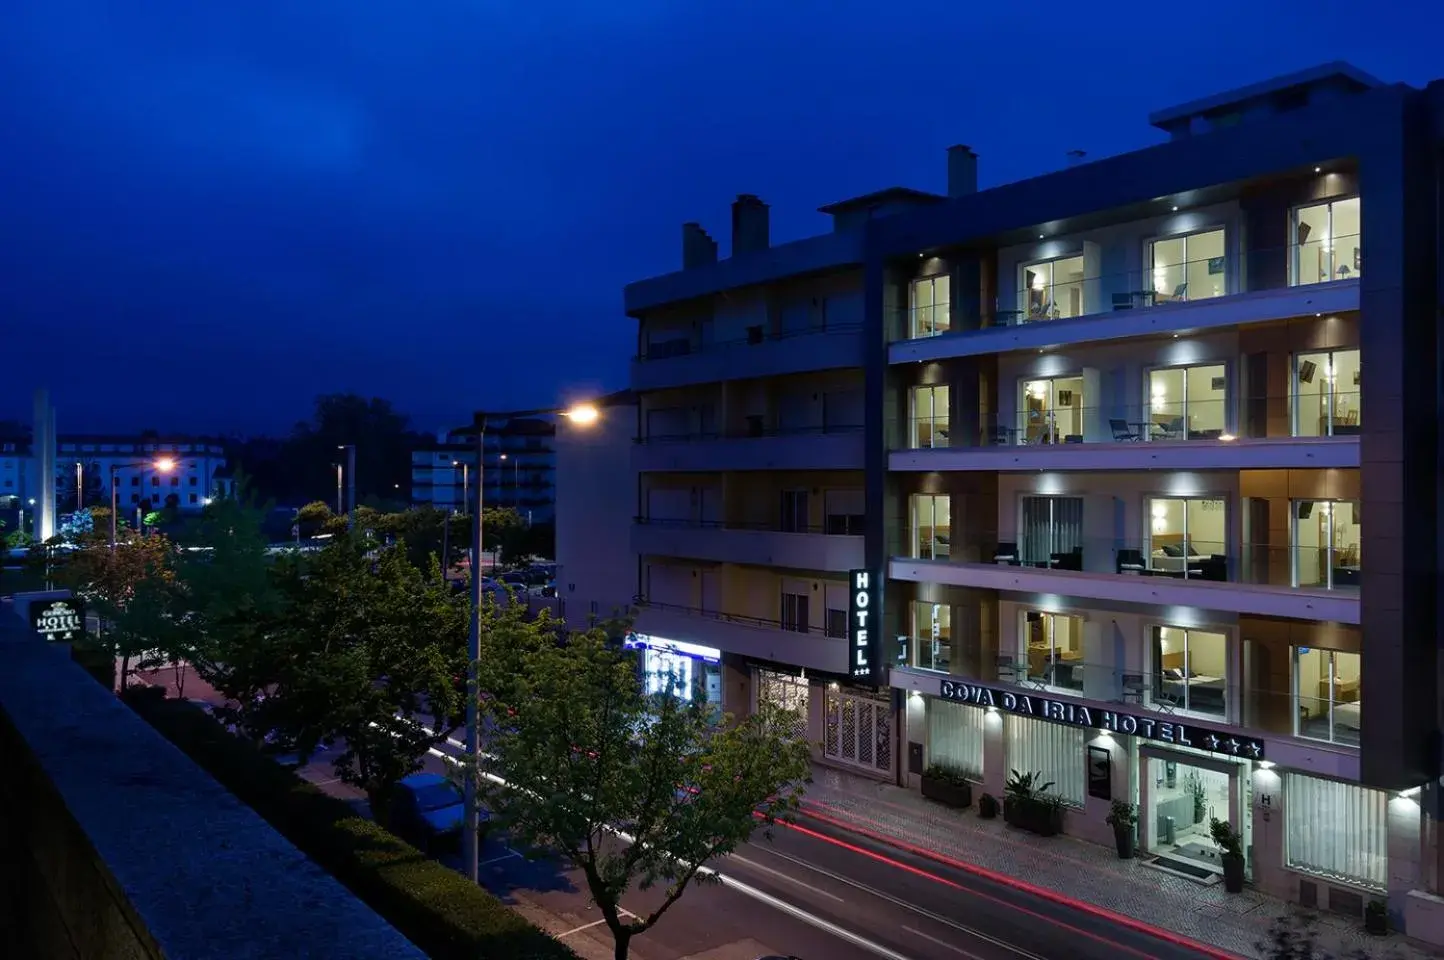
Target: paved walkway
[1078, 870]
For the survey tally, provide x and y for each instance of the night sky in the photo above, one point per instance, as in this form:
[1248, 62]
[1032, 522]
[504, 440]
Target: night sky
[212, 210]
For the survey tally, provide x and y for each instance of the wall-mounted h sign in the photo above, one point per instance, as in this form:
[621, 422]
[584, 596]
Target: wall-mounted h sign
[862, 622]
[60, 621]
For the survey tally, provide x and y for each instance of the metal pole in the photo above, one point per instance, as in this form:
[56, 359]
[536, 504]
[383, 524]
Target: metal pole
[79, 486]
[473, 653]
[351, 484]
[114, 507]
[340, 508]
[465, 485]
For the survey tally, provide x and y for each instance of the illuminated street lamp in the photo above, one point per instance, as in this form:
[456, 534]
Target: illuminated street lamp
[162, 465]
[583, 415]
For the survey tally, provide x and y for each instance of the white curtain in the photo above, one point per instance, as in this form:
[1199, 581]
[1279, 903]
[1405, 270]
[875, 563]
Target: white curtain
[1337, 830]
[1055, 750]
[955, 737]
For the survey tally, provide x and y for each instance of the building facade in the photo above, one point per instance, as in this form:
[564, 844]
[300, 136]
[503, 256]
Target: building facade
[519, 469]
[1071, 476]
[86, 463]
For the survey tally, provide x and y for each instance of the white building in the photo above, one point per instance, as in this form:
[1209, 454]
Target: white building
[520, 468]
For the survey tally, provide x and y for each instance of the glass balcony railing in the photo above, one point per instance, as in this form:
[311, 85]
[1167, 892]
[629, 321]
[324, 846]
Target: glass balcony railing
[1071, 671]
[1168, 551]
[1312, 414]
[1059, 291]
[749, 431]
[686, 344]
[836, 525]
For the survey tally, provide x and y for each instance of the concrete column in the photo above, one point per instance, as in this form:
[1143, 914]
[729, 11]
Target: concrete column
[1405, 820]
[45, 452]
[995, 755]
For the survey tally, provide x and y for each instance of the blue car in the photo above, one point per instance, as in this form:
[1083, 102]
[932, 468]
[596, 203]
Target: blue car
[427, 809]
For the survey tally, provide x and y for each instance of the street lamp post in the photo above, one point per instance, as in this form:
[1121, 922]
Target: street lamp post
[350, 449]
[163, 465]
[465, 471]
[79, 486]
[582, 415]
[515, 483]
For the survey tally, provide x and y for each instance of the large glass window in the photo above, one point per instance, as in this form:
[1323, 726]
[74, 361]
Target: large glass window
[1051, 534]
[1187, 537]
[931, 526]
[1182, 799]
[1052, 290]
[1327, 536]
[1326, 694]
[933, 633]
[1190, 267]
[1336, 830]
[1325, 398]
[1187, 403]
[1052, 749]
[1052, 645]
[1327, 242]
[1190, 671]
[931, 307]
[930, 417]
[955, 736]
[1051, 411]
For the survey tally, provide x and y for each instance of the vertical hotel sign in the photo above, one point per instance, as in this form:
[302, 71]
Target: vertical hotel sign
[862, 624]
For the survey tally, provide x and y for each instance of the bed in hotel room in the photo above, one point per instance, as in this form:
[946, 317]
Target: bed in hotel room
[1199, 691]
[1346, 702]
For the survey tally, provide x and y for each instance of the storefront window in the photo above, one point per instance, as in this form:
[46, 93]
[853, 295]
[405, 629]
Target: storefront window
[1051, 749]
[1336, 830]
[933, 635]
[1053, 647]
[955, 736]
[788, 692]
[1182, 799]
[1190, 671]
[685, 677]
[1326, 694]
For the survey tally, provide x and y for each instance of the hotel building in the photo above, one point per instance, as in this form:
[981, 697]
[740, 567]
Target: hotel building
[1093, 445]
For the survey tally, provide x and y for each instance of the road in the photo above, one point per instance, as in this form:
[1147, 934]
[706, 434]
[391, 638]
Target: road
[817, 891]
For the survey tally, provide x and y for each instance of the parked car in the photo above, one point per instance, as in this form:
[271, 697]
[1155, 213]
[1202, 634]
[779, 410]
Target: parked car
[428, 810]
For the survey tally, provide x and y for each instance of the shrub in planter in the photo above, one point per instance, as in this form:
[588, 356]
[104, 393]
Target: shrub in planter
[987, 806]
[1376, 918]
[1028, 806]
[947, 785]
[1123, 817]
[1230, 847]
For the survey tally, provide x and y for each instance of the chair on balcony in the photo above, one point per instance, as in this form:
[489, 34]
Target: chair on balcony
[1068, 560]
[1013, 670]
[1133, 688]
[1172, 430]
[1006, 554]
[1123, 301]
[1121, 433]
[1165, 701]
[1131, 562]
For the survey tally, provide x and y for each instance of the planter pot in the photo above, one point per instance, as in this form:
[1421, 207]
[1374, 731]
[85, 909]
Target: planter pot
[947, 793]
[1012, 811]
[1232, 873]
[1198, 813]
[1123, 839]
[1376, 922]
[987, 807]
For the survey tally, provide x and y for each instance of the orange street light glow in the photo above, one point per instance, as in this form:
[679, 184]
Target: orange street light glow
[165, 464]
[583, 414]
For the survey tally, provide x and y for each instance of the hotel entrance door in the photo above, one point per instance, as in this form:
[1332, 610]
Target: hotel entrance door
[1179, 795]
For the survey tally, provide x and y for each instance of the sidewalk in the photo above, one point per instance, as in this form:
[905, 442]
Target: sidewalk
[1076, 870]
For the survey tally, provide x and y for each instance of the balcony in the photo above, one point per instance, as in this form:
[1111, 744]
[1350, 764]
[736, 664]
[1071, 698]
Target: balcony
[810, 548]
[117, 845]
[745, 636]
[683, 361]
[1300, 430]
[1304, 582]
[817, 448]
[1048, 306]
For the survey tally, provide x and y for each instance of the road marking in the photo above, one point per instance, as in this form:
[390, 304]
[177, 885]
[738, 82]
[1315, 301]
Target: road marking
[961, 928]
[943, 943]
[778, 873]
[505, 856]
[585, 926]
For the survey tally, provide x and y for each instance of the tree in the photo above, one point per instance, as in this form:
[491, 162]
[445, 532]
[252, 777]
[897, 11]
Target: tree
[589, 751]
[380, 434]
[313, 518]
[112, 579]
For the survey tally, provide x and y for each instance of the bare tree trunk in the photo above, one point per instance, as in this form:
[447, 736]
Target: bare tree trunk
[623, 939]
[124, 671]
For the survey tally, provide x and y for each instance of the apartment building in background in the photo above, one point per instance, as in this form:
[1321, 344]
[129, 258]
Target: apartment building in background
[200, 471]
[1087, 457]
[519, 468]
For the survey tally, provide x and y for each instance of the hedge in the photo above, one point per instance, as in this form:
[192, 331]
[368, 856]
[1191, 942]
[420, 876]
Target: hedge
[436, 908]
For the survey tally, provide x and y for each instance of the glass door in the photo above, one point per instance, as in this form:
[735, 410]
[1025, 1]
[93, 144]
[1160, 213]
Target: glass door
[1186, 403]
[1327, 242]
[1051, 534]
[932, 527]
[1182, 799]
[1327, 537]
[1051, 411]
[1190, 267]
[930, 417]
[930, 314]
[1324, 401]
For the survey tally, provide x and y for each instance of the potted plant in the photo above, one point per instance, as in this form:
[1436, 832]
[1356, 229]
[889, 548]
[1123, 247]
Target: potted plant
[1230, 848]
[1123, 817]
[1027, 805]
[987, 806]
[1194, 785]
[1376, 918]
[947, 786]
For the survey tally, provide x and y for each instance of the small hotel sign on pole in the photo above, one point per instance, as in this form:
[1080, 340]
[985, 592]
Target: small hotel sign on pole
[862, 624]
[1093, 718]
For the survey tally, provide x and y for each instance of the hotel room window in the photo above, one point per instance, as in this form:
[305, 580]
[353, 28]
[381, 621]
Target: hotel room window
[1050, 411]
[1327, 536]
[1326, 693]
[1190, 671]
[930, 417]
[1052, 290]
[1052, 532]
[930, 313]
[1325, 398]
[1186, 403]
[1187, 537]
[933, 635]
[1327, 243]
[1190, 267]
[931, 526]
[1053, 648]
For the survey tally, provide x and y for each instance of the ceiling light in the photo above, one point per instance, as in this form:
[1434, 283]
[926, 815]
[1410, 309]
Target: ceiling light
[1040, 236]
[1318, 169]
[1175, 209]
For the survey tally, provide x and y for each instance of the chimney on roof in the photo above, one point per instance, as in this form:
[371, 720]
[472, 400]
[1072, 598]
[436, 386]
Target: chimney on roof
[750, 227]
[962, 171]
[698, 249]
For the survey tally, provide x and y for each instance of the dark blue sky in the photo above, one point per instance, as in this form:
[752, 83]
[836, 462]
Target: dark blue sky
[211, 212]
